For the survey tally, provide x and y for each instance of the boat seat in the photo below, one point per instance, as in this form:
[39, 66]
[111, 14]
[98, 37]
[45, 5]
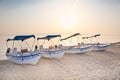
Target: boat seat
[78, 45]
[51, 47]
[56, 46]
[24, 50]
[60, 46]
[14, 50]
[8, 50]
[98, 43]
[41, 47]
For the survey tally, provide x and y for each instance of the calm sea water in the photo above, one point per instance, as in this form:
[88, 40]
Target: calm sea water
[103, 39]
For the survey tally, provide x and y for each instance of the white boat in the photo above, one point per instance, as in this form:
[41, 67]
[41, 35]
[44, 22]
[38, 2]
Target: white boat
[32, 58]
[23, 56]
[57, 54]
[97, 46]
[75, 48]
[79, 50]
[100, 47]
[51, 52]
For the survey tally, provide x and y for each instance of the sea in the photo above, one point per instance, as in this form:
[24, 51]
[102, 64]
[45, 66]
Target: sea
[104, 38]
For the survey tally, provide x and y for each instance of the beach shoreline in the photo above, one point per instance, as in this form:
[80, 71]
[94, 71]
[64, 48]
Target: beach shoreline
[103, 65]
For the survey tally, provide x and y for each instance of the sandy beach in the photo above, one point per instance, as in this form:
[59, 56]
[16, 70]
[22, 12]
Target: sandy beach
[103, 65]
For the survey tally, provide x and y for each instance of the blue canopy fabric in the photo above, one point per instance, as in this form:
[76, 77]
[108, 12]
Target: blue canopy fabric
[91, 36]
[21, 37]
[48, 37]
[76, 34]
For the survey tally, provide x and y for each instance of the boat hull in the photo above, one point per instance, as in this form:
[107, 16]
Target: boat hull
[100, 47]
[24, 59]
[79, 50]
[56, 54]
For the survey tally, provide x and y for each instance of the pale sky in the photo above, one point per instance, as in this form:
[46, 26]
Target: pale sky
[49, 16]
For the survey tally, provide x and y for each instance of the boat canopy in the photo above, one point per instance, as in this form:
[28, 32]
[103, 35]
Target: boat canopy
[76, 34]
[21, 37]
[48, 37]
[91, 36]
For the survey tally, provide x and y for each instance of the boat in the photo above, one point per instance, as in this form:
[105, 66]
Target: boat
[22, 56]
[97, 46]
[52, 51]
[100, 47]
[80, 48]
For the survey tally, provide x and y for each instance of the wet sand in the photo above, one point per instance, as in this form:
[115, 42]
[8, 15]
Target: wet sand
[103, 65]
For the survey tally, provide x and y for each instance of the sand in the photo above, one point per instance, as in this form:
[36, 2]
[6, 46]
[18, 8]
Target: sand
[103, 65]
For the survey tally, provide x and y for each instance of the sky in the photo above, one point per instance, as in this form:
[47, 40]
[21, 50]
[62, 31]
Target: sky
[60, 16]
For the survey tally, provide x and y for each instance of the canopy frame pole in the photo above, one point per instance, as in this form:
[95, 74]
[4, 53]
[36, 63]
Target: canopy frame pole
[84, 40]
[77, 39]
[70, 41]
[43, 42]
[52, 42]
[6, 44]
[20, 45]
[38, 45]
[58, 42]
[28, 45]
[87, 41]
[32, 45]
[63, 42]
[38, 42]
[97, 40]
[92, 40]
[13, 45]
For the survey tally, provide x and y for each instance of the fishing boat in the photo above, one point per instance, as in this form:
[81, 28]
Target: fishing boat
[80, 48]
[52, 51]
[22, 56]
[97, 46]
